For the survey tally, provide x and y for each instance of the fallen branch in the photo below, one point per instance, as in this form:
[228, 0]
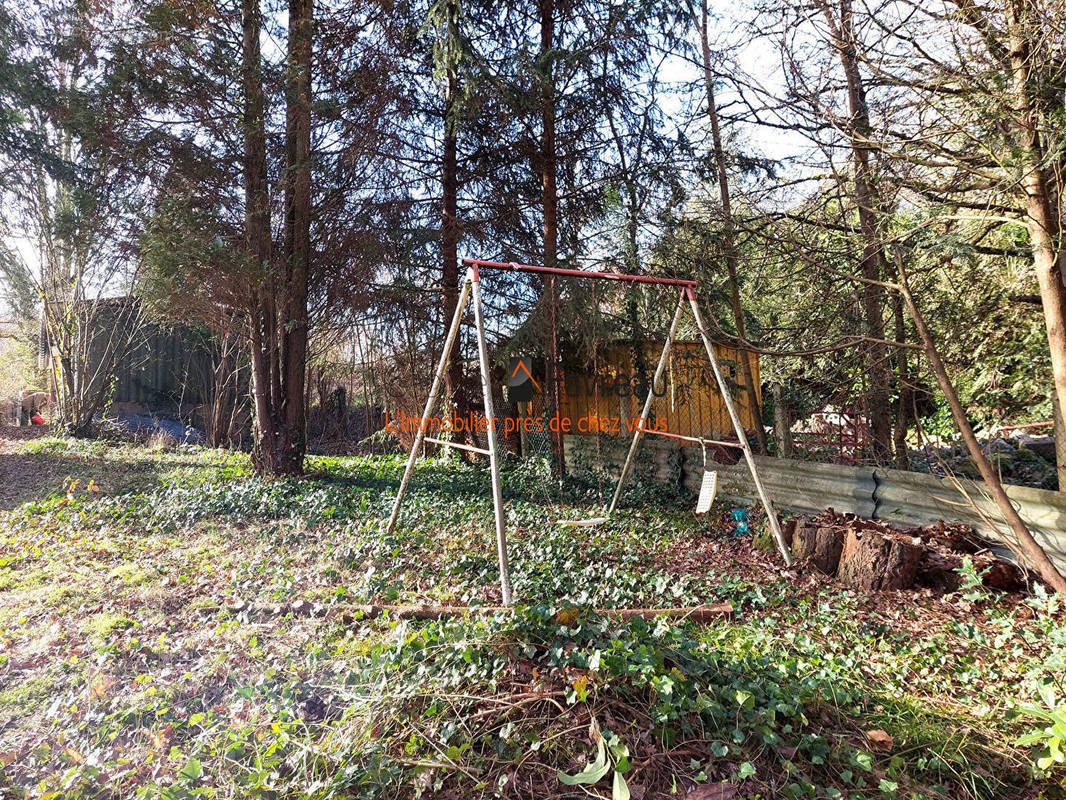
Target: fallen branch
[520, 702]
[705, 613]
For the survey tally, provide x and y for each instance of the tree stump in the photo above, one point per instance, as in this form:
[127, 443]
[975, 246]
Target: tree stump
[1001, 575]
[873, 561]
[936, 571]
[821, 545]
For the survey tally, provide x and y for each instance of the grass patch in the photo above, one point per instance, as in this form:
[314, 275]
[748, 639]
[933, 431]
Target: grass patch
[152, 688]
[29, 695]
[100, 626]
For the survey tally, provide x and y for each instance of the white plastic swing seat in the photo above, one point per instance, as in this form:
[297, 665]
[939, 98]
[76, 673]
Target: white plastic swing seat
[581, 523]
[708, 489]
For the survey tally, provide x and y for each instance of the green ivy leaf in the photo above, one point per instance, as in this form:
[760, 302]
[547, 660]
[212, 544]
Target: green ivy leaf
[591, 773]
[192, 771]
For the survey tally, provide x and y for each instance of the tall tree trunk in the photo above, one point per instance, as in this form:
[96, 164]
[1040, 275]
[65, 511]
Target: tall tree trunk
[278, 301]
[868, 201]
[1059, 432]
[449, 223]
[630, 258]
[729, 233]
[1041, 205]
[632, 266]
[257, 240]
[1037, 557]
[550, 199]
[548, 160]
[903, 390]
[1056, 174]
[297, 234]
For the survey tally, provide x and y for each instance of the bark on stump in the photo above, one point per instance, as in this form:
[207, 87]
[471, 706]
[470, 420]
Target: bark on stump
[936, 571]
[873, 561]
[822, 546]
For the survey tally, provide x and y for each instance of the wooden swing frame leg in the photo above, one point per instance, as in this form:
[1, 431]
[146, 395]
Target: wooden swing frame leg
[471, 286]
[689, 294]
[775, 525]
[642, 423]
[490, 434]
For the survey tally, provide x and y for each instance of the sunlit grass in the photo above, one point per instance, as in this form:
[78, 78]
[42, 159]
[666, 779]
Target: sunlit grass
[115, 620]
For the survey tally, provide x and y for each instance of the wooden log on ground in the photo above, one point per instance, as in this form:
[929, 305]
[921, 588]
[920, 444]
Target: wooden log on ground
[706, 613]
[693, 614]
[820, 545]
[874, 561]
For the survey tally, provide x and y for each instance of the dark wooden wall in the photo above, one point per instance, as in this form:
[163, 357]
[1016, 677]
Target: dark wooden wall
[165, 366]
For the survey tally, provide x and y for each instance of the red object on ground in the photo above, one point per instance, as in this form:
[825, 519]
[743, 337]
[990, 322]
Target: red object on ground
[37, 419]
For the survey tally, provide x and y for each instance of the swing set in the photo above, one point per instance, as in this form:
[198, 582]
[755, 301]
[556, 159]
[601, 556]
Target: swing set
[471, 289]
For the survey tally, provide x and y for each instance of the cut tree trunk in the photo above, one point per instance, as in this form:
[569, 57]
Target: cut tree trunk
[873, 561]
[822, 546]
[937, 571]
[873, 555]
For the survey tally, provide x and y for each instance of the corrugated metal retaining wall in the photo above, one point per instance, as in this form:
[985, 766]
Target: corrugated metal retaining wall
[905, 498]
[915, 498]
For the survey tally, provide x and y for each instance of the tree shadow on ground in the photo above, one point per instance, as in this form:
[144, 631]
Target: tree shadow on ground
[29, 477]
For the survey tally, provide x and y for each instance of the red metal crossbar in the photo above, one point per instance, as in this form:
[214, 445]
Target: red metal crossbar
[577, 273]
[697, 439]
[468, 447]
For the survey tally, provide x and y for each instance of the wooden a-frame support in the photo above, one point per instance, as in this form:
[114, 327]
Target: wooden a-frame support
[472, 288]
[689, 293]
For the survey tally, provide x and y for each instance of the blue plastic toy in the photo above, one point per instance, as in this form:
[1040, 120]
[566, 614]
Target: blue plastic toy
[740, 517]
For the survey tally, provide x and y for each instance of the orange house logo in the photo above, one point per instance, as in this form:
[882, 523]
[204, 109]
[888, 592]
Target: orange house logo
[520, 380]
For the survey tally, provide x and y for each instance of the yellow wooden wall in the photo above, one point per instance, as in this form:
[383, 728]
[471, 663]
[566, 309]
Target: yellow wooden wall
[691, 405]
